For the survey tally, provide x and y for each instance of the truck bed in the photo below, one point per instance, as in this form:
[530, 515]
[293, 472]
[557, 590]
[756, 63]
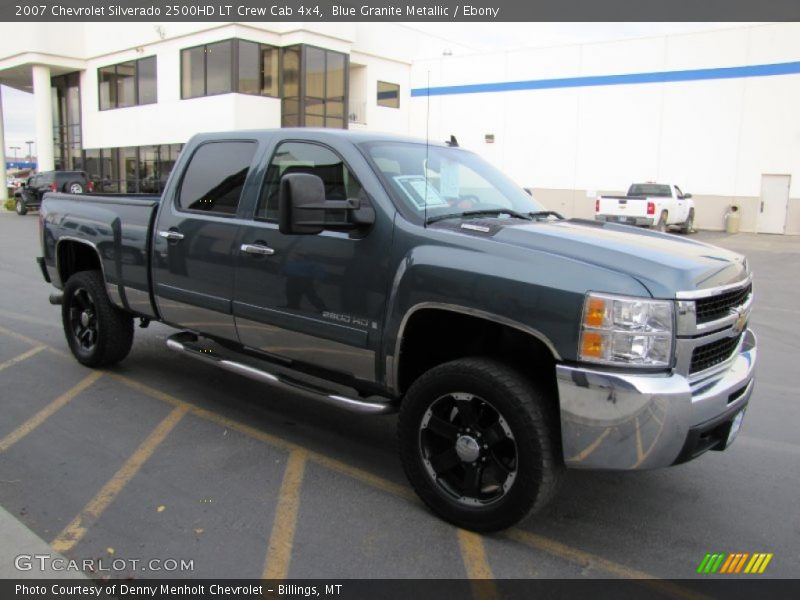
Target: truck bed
[119, 227]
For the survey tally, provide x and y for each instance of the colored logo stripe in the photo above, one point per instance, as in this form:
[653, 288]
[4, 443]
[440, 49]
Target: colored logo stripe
[734, 563]
[766, 70]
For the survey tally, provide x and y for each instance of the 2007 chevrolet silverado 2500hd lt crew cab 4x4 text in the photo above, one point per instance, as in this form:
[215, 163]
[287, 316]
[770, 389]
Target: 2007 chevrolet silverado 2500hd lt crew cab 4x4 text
[380, 273]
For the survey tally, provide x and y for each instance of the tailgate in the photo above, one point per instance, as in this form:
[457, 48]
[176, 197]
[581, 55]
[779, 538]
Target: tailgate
[624, 207]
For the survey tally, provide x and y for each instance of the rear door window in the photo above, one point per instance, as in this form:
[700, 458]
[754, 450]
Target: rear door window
[214, 179]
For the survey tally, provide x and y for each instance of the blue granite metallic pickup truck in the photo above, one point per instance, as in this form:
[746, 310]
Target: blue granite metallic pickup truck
[387, 274]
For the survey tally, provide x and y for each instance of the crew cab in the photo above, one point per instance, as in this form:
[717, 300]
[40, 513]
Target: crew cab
[382, 274]
[657, 205]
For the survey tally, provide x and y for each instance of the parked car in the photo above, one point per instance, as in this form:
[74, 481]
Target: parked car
[658, 205]
[29, 195]
[382, 274]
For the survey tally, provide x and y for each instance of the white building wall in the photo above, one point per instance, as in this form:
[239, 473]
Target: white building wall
[714, 138]
[174, 120]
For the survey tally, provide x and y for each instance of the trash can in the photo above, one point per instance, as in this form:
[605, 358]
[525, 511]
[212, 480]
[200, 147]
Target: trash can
[732, 219]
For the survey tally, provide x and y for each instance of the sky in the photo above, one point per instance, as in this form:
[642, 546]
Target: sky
[18, 106]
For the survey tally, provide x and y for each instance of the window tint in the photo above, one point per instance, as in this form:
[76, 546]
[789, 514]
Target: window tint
[249, 69]
[218, 68]
[215, 176]
[299, 157]
[193, 72]
[107, 87]
[126, 92]
[388, 94]
[125, 84]
[146, 76]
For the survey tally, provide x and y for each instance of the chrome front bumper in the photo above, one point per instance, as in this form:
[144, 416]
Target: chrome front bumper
[637, 421]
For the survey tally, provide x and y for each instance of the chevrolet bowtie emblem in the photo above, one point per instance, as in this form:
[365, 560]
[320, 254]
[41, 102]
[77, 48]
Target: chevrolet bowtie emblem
[741, 320]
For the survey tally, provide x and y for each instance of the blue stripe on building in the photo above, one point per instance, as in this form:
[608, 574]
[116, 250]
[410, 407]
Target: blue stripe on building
[789, 68]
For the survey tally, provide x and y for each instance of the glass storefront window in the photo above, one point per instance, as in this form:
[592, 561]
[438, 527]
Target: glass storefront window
[136, 169]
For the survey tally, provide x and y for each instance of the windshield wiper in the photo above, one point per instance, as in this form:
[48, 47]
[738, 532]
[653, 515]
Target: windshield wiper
[479, 213]
[545, 213]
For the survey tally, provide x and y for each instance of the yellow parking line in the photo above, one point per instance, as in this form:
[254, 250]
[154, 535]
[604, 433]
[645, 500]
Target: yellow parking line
[639, 451]
[21, 357]
[74, 532]
[41, 416]
[532, 540]
[28, 319]
[591, 447]
[254, 433]
[477, 566]
[587, 559]
[474, 555]
[279, 554]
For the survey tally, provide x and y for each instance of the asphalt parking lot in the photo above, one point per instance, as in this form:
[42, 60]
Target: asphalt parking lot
[162, 457]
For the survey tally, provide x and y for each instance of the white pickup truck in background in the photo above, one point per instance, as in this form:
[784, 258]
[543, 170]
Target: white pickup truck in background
[649, 204]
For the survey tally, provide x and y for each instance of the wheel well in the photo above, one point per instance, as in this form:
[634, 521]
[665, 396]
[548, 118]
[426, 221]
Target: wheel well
[435, 336]
[76, 256]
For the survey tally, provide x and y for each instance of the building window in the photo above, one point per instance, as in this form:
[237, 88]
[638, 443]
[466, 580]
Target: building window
[314, 87]
[127, 84]
[388, 94]
[219, 75]
[232, 65]
[215, 177]
[136, 169]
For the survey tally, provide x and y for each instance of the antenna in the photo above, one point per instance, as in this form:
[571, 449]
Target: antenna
[427, 144]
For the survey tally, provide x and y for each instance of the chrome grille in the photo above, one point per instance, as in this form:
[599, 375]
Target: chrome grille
[719, 306]
[709, 355]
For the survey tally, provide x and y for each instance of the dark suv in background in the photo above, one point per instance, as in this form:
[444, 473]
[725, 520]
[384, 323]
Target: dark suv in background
[29, 195]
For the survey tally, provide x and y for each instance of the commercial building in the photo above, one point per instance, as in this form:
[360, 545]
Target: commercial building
[714, 112]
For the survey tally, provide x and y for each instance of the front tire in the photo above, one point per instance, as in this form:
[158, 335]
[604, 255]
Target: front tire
[19, 207]
[98, 333]
[478, 445]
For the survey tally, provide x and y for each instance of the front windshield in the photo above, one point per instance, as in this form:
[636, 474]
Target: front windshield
[435, 181]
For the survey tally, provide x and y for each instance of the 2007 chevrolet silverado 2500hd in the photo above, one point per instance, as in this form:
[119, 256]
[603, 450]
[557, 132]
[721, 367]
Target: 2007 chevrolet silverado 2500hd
[651, 204]
[380, 273]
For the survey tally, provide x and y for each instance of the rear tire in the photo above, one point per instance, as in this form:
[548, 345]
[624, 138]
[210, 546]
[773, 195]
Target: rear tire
[662, 222]
[98, 333]
[20, 208]
[478, 445]
[688, 224]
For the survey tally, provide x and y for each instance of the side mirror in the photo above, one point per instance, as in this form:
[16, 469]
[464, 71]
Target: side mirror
[303, 209]
[687, 196]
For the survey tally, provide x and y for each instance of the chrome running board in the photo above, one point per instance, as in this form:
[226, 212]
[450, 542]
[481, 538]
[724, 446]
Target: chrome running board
[186, 342]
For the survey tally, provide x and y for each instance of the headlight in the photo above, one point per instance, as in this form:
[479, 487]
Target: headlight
[619, 330]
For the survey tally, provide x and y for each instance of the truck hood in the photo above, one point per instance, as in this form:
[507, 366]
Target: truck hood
[663, 263]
